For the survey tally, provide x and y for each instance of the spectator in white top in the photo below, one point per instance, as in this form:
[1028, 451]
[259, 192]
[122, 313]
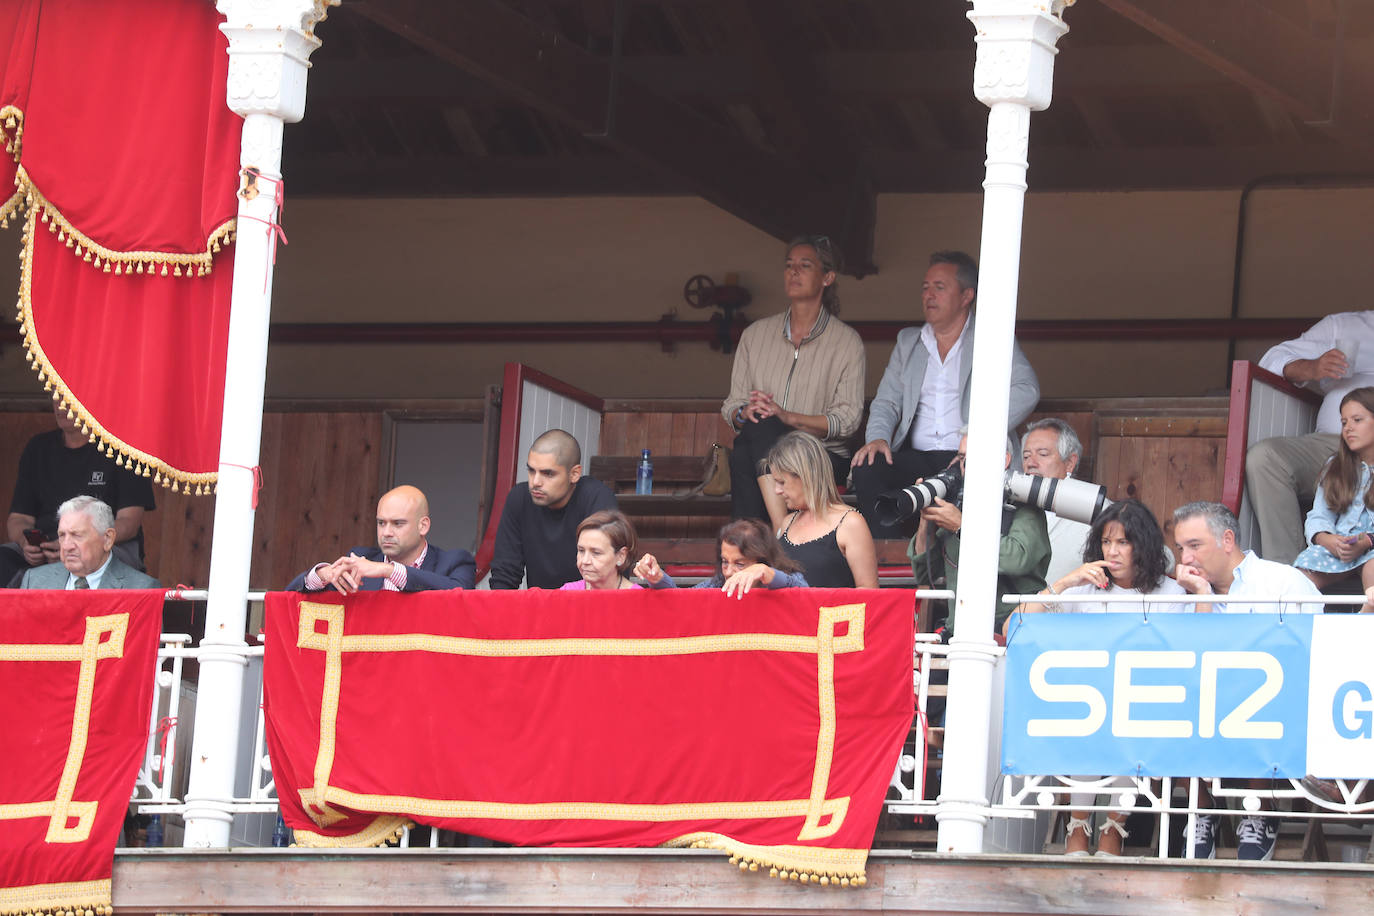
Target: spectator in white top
[1332, 357]
[1211, 562]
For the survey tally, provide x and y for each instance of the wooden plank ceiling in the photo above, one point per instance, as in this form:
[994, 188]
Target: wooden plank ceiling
[793, 114]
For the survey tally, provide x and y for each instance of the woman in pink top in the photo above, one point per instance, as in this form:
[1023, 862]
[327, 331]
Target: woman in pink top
[605, 543]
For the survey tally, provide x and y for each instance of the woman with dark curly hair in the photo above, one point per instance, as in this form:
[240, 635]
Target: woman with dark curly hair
[1123, 555]
[748, 554]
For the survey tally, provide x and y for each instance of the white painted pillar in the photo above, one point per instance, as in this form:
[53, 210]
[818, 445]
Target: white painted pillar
[1015, 68]
[270, 42]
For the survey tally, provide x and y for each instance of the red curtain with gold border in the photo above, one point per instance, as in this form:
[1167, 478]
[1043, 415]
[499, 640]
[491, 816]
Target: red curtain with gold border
[76, 671]
[124, 158]
[768, 727]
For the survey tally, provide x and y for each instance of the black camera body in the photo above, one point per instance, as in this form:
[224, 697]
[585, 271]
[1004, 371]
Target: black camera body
[896, 506]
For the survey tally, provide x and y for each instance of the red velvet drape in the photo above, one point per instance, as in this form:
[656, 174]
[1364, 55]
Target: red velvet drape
[768, 727]
[76, 671]
[125, 158]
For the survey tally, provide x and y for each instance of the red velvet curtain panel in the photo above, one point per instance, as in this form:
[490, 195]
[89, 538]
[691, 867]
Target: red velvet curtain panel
[768, 727]
[124, 158]
[76, 670]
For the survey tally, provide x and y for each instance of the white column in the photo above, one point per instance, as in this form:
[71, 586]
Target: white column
[1013, 74]
[270, 42]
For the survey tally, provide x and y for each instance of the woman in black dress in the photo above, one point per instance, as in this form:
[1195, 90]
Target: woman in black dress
[829, 540]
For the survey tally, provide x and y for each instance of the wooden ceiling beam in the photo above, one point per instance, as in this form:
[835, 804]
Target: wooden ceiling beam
[346, 175]
[1051, 169]
[1122, 169]
[723, 78]
[1249, 43]
[539, 68]
[786, 92]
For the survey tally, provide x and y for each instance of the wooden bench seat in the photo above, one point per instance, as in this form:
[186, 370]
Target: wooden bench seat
[675, 476]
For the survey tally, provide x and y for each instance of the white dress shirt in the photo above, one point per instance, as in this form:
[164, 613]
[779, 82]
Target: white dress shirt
[1167, 586]
[1333, 331]
[938, 415]
[1265, 578]
[93, 579]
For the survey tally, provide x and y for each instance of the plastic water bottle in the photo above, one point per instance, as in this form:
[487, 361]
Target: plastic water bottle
[644, 475]
[153, 837]
[280, 835]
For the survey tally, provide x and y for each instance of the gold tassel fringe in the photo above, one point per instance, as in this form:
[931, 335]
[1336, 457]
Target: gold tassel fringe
[12, 128]
[124, 454]
[384, 830]
[72, 898]
[803, 864]
[106, 259]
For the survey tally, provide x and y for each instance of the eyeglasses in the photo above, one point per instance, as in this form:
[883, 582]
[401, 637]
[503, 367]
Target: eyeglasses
[824, 248]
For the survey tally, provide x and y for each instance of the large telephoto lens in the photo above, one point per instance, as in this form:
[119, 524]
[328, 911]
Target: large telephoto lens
[1077, 500]
[896, 506]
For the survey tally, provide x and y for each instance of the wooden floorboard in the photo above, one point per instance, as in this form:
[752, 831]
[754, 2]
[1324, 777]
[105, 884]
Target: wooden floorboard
[702, 881]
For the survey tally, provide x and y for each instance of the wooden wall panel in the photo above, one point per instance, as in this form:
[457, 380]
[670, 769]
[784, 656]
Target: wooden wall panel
[666, 428]
[1162, 461]
[320, 481]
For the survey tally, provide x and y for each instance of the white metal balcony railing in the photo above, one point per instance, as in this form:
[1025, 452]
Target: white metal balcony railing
[162, 775]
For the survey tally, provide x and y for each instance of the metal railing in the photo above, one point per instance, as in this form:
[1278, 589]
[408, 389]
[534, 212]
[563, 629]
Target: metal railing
[1307, 799]
[161, 776]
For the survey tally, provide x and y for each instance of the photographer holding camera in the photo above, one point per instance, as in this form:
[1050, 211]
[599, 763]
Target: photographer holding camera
[1024, 554]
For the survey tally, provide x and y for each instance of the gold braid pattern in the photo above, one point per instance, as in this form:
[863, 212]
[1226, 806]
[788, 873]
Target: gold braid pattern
[822, 815]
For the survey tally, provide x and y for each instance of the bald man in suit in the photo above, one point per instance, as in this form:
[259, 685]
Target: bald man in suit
[402, 561]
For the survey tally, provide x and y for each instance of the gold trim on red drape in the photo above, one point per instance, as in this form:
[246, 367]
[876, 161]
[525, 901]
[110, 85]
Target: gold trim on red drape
[798, 795]
[29, 200]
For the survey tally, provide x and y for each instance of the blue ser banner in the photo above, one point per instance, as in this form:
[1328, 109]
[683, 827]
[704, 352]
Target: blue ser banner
[1243, 695]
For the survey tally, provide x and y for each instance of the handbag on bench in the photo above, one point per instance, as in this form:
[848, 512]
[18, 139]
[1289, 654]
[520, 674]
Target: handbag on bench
[715, 480]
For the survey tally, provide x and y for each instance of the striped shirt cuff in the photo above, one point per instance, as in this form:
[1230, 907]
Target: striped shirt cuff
[313, 582]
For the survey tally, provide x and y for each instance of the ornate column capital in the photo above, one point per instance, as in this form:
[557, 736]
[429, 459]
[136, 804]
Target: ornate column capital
[270, 43]
[1016, 48]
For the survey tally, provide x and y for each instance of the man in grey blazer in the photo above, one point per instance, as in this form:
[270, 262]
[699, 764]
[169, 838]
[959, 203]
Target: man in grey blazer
[917, 417]
[85, 539]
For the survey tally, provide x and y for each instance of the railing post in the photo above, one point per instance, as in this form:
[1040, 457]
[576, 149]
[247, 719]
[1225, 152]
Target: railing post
[269, 49]
[1014, 71]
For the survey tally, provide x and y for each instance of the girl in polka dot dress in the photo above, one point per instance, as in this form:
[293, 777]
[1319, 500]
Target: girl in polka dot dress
[1340, 527]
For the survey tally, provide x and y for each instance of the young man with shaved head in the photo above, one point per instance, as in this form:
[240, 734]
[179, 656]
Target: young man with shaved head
[537, 538]
[402, 561]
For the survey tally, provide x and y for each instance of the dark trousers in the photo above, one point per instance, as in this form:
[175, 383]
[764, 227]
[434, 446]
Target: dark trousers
[747, 463]
[907, 466]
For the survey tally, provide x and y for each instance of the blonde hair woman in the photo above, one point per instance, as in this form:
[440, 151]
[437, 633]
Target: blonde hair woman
[829, 540]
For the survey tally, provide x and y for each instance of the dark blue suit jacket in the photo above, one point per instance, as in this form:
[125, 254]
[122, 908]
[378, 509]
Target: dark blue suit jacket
[442, 569]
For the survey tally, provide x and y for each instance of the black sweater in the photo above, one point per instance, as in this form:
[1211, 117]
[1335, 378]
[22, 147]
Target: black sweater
[540, 545]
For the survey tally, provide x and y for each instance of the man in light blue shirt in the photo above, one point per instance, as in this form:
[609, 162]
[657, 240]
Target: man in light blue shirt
[85, 539]
[1211, 562]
